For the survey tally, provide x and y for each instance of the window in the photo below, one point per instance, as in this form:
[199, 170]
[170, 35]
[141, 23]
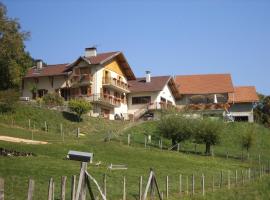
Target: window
[141, 100]
[84, 90]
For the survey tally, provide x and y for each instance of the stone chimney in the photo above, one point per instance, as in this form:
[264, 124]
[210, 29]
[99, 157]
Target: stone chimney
[147, 76]
[39, 64]
[90, 51]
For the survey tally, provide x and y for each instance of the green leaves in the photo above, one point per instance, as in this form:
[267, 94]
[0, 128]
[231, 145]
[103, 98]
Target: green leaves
[79, 106]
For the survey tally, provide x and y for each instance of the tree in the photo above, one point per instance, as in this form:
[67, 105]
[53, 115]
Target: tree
[176, 127]
[208, 132]
[14, 60]
[262, 110]
[80, 107]
[248, 138]
[8, 100]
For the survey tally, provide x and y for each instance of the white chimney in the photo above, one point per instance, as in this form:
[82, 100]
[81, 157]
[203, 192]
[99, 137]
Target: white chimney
[39, 64]
[90, 51]
[148, 77]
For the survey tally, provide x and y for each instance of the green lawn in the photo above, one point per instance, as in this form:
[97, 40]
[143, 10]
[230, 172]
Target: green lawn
[50, 159]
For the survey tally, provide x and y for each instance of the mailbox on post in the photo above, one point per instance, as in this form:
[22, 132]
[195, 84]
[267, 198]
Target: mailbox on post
[80, 156]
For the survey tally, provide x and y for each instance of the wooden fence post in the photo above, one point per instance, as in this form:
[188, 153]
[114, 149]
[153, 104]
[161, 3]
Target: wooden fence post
[187, 185]
[235, 177]
[73, 187]
[259, 159]
[140, 188]
[51, 190]
[193, 184]
[213, 183]
[124, 188]
[61, 129]
[161, 145]
[249, 174]
[63, 187]
[78, 132]
[31, 188]
[180, 184]
[221, 179]
[105, 185]
[128, 139]
[229, 179]
[242, 176]
[29, 123]
[227, 155]
[2, 191]
[178, 147]
[167, 187]
[203, 189]
[145, 142]
[45, 126]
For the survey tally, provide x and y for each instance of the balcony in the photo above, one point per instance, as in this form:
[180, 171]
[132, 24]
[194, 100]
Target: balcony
[104, 100]
[160, 106]
[81, 80]
[115, 84]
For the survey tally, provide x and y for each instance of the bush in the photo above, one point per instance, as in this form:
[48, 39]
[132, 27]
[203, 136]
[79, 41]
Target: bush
[53, 99]
[79, 106]
[8, 100]
[208, 132]
[248, 138]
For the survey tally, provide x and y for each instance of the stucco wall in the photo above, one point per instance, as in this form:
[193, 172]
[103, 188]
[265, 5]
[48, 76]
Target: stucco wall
[167, 94]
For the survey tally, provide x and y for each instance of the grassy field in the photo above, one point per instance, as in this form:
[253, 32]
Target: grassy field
[50, 159]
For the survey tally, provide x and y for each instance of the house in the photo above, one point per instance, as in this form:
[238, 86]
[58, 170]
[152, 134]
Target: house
[151, 94]
[242, 102]
[100, 78]
[204, 88]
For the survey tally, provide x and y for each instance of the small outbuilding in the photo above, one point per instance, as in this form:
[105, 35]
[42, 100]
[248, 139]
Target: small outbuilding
[80, 156]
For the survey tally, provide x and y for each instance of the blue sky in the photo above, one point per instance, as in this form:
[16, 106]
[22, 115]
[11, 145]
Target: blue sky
[166, 37]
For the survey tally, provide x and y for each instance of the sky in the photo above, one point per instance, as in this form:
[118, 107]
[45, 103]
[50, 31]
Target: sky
[164, 36]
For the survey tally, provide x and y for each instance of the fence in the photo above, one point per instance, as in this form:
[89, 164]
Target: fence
[187, 185]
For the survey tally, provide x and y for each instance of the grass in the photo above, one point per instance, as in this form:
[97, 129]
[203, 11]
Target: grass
[50, 160]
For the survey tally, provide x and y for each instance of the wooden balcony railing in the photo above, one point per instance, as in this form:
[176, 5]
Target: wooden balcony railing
[115, 82]
[105, 99]
[81, 79]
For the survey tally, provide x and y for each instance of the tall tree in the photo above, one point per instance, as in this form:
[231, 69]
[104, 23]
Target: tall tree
[262, 110]
[14, 60]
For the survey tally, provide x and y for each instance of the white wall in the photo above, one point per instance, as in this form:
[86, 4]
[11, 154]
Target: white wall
[167, 94]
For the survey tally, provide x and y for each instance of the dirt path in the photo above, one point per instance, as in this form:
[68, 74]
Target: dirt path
[18, 140]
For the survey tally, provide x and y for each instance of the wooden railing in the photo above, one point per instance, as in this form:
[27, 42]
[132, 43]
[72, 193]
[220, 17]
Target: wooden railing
[106, 98]
[115, 82]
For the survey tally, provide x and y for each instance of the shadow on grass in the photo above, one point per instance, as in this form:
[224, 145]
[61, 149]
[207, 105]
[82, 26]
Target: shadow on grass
[70, 116]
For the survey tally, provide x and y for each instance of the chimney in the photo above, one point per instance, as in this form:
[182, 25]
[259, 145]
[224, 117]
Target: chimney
[148, 77]
[90, 51]
[39, 64]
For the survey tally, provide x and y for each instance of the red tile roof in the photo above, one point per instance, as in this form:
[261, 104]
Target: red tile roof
[140, 85]
[204, 84]
[49, 70]
[101, 57]
[244, 94]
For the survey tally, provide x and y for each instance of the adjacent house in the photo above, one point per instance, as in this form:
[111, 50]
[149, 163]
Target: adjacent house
[242, 102]
[100, 78]
[150, 94]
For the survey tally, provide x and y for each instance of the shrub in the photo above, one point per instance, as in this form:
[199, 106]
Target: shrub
[8, 100]
[208, 132]
[79, 106]
[53, 99]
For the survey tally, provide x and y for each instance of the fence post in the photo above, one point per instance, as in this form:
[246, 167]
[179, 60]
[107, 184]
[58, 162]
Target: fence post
[235, 177]
[249, 174]
[63, 187]
[203, 189]
[180, 184]
[78, 132]
[45, 126]
[145, 141]
[178, 147]
[259, 159]
[105, 185]
[31, 187]
[227, 155]
[213, 183]
[193, 184]
[242, 176]
[167, 187]
[161, 145]
[128, 139]
[2, 183]
[140, 188]
[51, 190]
[187, 186]
[61, 129]
[124, 188]
[229, 179]
[29, 123]
[73, 187]
[221, 179]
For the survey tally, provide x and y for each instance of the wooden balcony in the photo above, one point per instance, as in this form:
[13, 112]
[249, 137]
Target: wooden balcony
[105, 100]
[115, 84]
[81, 80]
